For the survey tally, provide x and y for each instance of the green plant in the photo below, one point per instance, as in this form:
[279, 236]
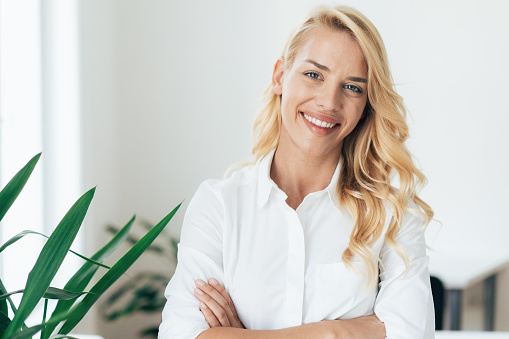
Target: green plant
[144, 293]
[69, 309]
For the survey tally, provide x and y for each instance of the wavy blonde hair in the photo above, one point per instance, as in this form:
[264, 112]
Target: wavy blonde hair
[372, 152]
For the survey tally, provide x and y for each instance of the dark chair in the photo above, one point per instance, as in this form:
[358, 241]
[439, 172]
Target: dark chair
[438, 291]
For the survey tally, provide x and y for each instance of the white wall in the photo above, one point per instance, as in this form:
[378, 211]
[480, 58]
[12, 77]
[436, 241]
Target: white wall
[99, 125]
[169, 92]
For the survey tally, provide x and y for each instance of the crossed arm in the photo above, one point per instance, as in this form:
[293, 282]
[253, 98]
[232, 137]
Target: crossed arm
[221, 315]
[403, 303]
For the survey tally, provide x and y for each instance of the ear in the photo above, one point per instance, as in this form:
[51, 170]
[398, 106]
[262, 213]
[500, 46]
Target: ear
[277, 76]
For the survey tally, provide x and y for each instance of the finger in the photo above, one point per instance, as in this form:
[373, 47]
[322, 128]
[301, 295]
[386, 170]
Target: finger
[218, 311]
[209, 315]
[218, 298]
[218, 287]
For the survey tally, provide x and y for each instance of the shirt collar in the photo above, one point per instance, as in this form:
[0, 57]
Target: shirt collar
[266, 184]
[333, 185]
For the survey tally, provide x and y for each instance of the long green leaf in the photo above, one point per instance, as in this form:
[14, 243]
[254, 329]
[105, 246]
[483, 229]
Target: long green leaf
[3, 290]
[16, 238]
[61, 294]
[14, 187]
[82, 277]
[3, 307]
[30, 331]
[44, 315]
[50, 259]
[26, 232]
[6, 295]
[4, 318]
[4, 322]
[51, 293]
[79, 311]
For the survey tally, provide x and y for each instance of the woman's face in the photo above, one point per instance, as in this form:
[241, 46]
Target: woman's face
[323, 93]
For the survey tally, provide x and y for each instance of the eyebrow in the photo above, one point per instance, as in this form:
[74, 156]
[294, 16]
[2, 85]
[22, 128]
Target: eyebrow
[357, 79]
[325, 68]
[318, 65]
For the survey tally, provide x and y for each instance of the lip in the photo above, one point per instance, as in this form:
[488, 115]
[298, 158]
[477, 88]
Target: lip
[322, 117]
[318, 130]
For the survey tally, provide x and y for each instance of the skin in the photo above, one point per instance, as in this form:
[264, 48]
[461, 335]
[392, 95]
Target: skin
[305, 159]
[327, 81]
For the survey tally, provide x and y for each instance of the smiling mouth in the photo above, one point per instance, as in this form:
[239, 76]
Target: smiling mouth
[319, 123]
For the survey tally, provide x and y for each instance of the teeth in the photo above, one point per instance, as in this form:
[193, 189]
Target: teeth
[319, 122]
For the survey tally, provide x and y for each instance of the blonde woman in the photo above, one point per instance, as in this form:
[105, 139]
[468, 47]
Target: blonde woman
[311, 240]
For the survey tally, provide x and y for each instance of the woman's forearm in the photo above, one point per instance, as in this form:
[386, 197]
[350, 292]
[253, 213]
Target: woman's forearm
[319, 330]
[368, 327]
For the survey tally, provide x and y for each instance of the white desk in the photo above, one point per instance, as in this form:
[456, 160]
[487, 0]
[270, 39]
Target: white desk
[471, 335]
[457, 272]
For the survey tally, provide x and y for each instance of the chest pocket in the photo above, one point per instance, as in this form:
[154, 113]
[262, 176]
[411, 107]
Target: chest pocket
[341, 292]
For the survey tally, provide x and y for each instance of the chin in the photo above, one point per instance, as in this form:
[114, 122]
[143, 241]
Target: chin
[320, 152]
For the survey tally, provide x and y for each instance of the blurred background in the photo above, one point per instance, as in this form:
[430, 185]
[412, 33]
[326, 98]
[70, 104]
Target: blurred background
[146, 99]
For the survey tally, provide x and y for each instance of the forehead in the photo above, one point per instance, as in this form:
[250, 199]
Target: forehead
[337, 50]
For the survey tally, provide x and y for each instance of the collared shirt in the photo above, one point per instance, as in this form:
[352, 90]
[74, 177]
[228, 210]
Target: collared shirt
[282, 267]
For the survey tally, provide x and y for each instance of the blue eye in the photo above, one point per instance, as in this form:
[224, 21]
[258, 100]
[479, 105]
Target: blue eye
[353, 88]
[313, 75]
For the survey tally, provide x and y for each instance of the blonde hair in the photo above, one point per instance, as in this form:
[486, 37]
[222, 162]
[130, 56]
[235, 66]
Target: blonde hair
[372, 152]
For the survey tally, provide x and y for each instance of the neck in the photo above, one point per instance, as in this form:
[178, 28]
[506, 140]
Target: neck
[299, 174]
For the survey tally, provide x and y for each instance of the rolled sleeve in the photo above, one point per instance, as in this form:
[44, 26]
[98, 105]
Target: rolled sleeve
[199, 257]
[404, 302]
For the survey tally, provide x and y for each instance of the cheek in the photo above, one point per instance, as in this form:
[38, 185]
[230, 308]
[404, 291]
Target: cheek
[356, 116]
[359, 109]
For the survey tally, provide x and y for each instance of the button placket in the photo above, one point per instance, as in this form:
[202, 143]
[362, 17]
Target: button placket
[295, 270]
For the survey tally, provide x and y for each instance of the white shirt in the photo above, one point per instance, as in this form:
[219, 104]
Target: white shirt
[283, 267]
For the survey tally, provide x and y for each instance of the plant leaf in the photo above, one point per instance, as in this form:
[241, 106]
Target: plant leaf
[51, 293]
[79, 311]
[44, 315]
[14, 187]
[145, 289]
[3, 307]
[150, 331]
[175, 246]
[16, 238]
[27, 333]
[4, 322]
[61, 294]
[26, 232]
[3, 290]
[50, 259]
[6, 295]
[82, 277]
[30, 331]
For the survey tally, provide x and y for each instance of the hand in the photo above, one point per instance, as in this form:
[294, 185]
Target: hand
[363, 327]
[216, 304]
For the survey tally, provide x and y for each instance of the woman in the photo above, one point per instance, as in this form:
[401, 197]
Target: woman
[312, 241]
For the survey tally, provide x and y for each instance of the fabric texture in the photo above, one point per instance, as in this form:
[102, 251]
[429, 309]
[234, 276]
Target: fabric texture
[283, 267]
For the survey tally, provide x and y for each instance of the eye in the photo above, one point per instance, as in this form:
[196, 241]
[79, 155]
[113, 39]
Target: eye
[313, 75]
[353, 88]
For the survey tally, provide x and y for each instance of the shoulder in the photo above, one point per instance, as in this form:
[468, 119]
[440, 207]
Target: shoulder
[411, 215]
[223, 190]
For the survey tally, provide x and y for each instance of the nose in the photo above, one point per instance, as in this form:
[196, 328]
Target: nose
[329, 98]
